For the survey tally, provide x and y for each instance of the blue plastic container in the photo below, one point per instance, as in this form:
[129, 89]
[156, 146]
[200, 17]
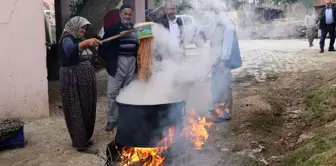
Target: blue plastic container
[16, 140]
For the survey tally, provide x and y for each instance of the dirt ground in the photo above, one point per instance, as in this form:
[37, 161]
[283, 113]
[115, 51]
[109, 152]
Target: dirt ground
[266, 122]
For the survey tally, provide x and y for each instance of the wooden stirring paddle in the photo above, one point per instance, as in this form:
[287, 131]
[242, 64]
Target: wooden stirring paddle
[117, 36]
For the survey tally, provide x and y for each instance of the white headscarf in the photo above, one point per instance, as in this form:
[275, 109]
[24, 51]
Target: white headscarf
[73, 25]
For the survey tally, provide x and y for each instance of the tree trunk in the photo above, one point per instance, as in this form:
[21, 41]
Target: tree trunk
[95, 10]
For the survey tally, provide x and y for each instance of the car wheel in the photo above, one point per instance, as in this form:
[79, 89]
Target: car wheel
[200, 40]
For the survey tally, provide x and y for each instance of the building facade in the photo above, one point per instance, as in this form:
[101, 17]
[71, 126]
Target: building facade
[23, 74]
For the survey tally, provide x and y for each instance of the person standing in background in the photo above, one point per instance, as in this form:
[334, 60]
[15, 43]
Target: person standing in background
[225, 47]
[121, 57]
[327, 25]
[170, 21]
[311, 27]
[173, 24]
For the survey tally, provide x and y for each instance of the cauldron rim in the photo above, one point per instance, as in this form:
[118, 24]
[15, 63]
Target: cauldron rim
[158, 104]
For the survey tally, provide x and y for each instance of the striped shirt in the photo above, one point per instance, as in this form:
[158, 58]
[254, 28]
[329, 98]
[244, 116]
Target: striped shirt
[128, 44]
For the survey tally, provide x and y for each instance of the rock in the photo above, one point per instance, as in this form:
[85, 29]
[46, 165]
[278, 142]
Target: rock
[293, 116]
[258, 150]
[262, 148]
[275, 158]
[295, 112]
[253, 142]
[331, 124]
[67, 152]
[264, 161]
[251, 154]
[283, 142]
[304, 137]
[219, 147]
[225, 149]
[242, 153]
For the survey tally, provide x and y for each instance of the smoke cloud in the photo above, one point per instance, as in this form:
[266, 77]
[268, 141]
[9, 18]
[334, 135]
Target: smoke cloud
[171, 78]
[174, 75]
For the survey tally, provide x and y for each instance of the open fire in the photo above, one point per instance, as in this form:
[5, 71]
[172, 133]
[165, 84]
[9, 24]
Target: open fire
[147, 156]
[195, 131]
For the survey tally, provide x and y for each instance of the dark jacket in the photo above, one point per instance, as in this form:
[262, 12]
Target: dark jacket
[322, 20]
[164, 21]
[111, 50]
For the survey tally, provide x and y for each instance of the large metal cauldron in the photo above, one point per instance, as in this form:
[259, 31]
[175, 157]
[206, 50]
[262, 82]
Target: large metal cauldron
[144, 125]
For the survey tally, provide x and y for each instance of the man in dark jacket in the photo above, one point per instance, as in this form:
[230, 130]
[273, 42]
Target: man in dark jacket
[171, 22]
[327, 20]
[120, 55]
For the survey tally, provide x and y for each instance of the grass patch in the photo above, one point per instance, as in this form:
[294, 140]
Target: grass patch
[313, 153]
[247, 161]
[321, 150]
[320, 106]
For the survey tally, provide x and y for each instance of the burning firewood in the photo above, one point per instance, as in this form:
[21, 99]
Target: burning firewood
[170, 150]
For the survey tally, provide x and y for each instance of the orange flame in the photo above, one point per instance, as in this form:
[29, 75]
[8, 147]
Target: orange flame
[196, 131]
[147, 156]
[219, 107]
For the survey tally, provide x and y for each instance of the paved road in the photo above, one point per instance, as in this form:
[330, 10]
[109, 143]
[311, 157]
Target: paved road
[262, 57]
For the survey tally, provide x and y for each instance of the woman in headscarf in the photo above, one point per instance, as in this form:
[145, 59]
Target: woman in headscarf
[78, 82]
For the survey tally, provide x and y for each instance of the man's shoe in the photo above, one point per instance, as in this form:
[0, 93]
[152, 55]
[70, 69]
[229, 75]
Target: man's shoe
[213, 117]
[331, 49]
[321, 51]
[110, 126]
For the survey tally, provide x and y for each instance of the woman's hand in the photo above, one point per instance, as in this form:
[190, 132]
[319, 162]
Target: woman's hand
[93, 42]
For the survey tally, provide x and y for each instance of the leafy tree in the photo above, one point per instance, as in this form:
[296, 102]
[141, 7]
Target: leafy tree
[76, 6]
[95, 10]
[157, 3]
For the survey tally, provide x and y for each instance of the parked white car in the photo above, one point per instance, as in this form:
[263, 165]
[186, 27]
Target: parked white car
[197, 31]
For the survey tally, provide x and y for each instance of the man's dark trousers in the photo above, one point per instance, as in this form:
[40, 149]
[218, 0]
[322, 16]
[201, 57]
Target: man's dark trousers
[329, 28]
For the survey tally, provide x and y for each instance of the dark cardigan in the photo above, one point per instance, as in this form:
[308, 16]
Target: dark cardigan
[111, 50]
[68, 53]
